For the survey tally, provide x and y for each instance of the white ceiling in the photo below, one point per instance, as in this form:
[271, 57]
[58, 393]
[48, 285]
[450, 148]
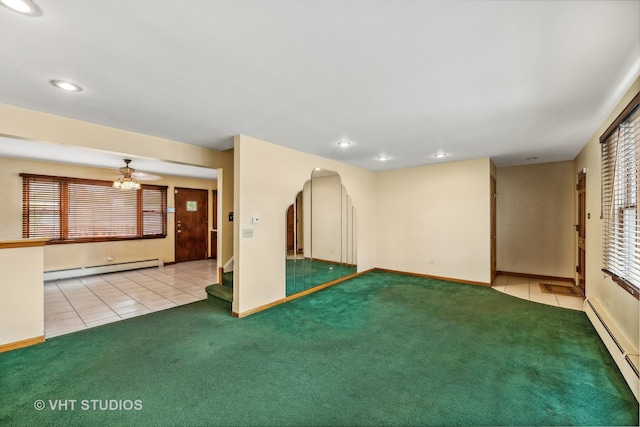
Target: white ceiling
[508, 80]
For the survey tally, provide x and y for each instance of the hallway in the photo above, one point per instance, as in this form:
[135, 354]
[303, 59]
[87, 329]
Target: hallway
[526, 288]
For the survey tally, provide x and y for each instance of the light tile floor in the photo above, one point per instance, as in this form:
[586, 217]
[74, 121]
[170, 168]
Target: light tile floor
[529, 289]
[74, 304]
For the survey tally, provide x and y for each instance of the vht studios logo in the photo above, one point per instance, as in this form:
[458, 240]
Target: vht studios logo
[88, 405]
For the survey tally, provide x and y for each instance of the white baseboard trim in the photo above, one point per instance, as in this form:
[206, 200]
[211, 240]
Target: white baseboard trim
[623, 353]
[101, 269]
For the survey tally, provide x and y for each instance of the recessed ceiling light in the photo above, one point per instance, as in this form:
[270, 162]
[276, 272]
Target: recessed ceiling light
[344, 143]
[68, 86]
[532, 158]
[440, 155]
[382, 158]
[25, 7]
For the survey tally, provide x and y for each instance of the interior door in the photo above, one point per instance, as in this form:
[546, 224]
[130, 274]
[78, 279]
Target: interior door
[191, 226]
[581, 228]
[494, 269]
[290, 230]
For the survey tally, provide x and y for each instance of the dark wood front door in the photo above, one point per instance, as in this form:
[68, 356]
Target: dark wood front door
[191, 228]
[581, 228]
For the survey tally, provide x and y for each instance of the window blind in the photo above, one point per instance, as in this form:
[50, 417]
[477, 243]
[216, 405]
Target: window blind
[620, 149]
[41, 208]
[154, 216]
[76, 210]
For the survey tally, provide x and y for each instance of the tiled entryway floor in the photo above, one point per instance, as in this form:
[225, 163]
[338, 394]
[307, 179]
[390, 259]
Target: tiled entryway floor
[74, 304]
[529, 289]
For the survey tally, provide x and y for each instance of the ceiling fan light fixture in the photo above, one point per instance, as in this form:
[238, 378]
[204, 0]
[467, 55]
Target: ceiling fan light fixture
[24, 7]
[125, 181]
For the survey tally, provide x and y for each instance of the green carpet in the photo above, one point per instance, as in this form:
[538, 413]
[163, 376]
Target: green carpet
[305, 273]
[380, 349]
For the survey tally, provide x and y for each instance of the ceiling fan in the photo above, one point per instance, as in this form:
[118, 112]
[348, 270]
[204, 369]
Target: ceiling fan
[128, 179]
[143, 176]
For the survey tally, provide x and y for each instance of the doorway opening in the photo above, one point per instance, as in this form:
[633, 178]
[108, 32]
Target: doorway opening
[581, 228]
[494, 194]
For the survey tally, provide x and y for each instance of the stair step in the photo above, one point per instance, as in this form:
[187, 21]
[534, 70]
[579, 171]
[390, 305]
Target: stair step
[222, 292]
[221, 295]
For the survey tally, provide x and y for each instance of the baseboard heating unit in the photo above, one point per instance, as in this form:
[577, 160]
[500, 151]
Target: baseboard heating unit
[101, 269]
[625, 356]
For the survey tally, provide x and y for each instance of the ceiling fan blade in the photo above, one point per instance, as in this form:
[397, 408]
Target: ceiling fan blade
[142, 176]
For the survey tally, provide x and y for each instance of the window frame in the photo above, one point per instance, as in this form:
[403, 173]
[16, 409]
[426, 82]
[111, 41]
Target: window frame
[63, 209]
[620, 188]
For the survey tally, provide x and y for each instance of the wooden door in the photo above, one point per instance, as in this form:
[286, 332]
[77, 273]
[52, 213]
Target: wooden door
[581, 228]
[494, 269]
[290, 229]
[191, 227]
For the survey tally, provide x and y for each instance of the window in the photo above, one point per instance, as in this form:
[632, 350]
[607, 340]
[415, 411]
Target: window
[620, 147]
[81, 210]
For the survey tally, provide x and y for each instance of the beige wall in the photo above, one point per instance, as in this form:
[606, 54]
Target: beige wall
[535, 221]
[66, 256]
[22, 294]
[619, 305]
[267, 179]
[36, 126]
[326, 218]
[435, 220]
[226, 195]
